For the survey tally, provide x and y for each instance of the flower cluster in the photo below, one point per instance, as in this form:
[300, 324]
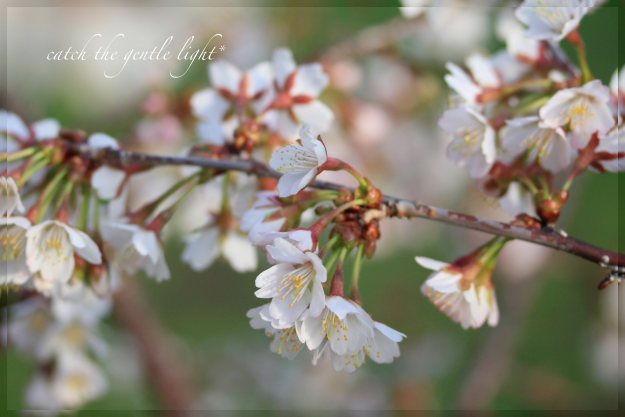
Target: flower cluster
[521, 117]
[300, 312]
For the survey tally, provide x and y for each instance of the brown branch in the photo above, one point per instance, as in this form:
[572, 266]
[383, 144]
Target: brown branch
[393, 206]
[167, 375]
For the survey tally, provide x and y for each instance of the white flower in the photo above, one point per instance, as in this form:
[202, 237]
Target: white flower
[106, 180]
[517, 200]
[586, 110]
[204, 246]
[473, 140]
[284, 341]
[76, 380]
[383, 347]
[39, 397]
[552, 19]
[511, 31]
[263, 217]
[13, 250]
[29, 322]
[294, 284]
[50, 249]
[230, 88]
[136, 248]
[610, 153]
[10, 197]
[458, 295]
[483, 75]
[545, 145]
[298, 163]
[295, 99]
[343, 327]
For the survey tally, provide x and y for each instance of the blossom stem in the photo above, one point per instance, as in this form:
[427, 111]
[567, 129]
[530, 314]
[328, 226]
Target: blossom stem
[172, 190]
[338, 280]
[24, 153]
[576, 39]
[84, 208]
[50, 192]
[37, 162]
[355, 290]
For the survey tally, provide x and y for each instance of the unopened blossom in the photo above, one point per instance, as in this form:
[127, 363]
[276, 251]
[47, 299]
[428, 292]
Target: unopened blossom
[11, 199]
[105, 180]
[343, 327]
[552, 20]
[382, 347]
[473, 139]
[610, 154]
[293, 101]
[518, 200]
[13, 250]
[50, 249]
[542, 144]
[585, 110]
[136, 248]
[299, 163]
[295, 283]
[467, 296]
[232, 91]
[76, 380]
[284, 341]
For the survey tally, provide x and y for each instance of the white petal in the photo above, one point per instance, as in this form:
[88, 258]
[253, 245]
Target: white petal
[283, 65]
[106, 181]
[430, 263]
[310, 80]
[99, 141]
[225, 75]
[46, 129]
[240, 252]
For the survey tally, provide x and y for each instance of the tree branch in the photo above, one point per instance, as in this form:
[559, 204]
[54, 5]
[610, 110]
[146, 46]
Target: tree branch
[393, 206]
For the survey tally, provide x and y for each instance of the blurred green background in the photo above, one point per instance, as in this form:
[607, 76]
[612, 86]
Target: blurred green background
[544, 355]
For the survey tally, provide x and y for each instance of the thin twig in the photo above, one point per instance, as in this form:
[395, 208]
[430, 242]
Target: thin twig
[393, 206]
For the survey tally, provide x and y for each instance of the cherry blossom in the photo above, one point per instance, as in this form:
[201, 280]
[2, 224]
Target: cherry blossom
[284, 341]
[466, 296]
[232, 91]
[552, 20]
[294, 284]
[585, 110]
[299, 163]
[136, 248]
[542, 144]
[343, 327]
[50, 249]
[11, 199]
[13, 250]
[473, 139]
[294, 99]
